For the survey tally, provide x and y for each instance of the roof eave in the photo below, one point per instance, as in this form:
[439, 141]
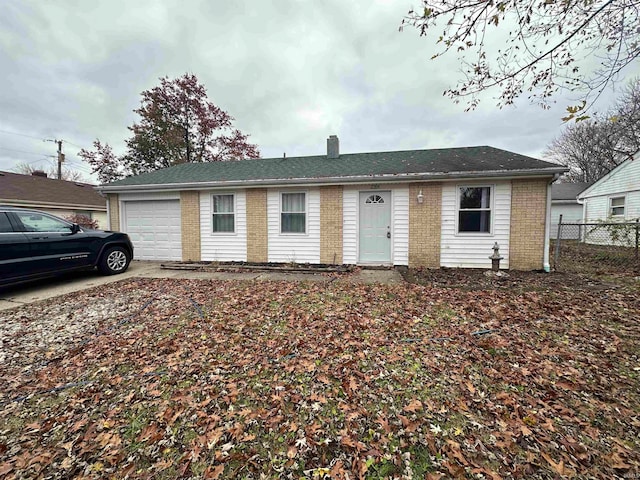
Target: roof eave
[407, 177]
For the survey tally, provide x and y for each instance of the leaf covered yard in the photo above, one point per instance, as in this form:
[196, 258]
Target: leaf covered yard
[201, 379]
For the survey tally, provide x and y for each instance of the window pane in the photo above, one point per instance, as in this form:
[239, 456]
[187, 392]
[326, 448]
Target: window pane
[223, 203]
[292, 223]
[617, 211]
[5, 226]
[474, 221]
[617, 202]
[42, 223]
[293, 202]
[475, 197]
[223, 222]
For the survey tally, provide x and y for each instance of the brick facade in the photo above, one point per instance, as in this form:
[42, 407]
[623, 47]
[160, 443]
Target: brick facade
[331, 225]
[190, 213]
[528, 217]
[257, 237]
[425, 222]
[114, 211]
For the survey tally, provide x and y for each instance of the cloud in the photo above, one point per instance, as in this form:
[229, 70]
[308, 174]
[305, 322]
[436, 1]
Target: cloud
[290, 72]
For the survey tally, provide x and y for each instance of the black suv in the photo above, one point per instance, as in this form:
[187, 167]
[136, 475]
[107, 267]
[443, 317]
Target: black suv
[36, 244]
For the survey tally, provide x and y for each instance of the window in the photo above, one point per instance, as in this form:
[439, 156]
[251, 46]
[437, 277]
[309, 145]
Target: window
[5, 226]
[474, 209]
[616, 207]
[35, 222]
[374, 199]
[293, 216]
[224, 217]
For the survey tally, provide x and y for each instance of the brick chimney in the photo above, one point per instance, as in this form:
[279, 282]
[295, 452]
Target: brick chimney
[333, 147]
[39, 173]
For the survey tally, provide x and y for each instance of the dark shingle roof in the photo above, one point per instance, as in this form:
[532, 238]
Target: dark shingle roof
[567, 191]
[371, 165]
[34, 189]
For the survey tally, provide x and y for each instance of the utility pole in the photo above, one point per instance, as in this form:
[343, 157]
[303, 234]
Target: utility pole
[60, 159]
[60, 156]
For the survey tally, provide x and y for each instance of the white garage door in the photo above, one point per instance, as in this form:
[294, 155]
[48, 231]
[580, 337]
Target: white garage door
[154, 228]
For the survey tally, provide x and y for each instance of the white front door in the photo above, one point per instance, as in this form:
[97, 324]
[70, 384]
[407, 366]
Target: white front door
[375, 227]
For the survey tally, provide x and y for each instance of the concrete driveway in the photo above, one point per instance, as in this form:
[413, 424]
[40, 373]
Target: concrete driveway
[11, 297]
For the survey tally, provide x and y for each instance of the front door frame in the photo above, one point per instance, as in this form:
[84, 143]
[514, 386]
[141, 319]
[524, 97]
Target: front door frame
[373, 191]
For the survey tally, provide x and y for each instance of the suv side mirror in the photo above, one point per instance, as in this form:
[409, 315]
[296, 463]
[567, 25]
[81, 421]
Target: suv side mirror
[75, 228]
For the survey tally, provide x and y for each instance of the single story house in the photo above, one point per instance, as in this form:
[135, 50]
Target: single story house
[564, 201]
[613, 198]
[58, 197]
[432, 208]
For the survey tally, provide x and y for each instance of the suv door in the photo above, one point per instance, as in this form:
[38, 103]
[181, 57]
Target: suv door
[54, 245]
[15, 259]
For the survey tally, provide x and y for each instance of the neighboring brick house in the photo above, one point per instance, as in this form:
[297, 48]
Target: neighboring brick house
[58, 197]
[433, 208]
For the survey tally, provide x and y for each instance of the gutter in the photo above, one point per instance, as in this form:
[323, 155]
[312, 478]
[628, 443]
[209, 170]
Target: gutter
[319, 181]
[70, 206]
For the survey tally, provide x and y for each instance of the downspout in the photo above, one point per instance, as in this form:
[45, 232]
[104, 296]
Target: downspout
[108, 214]
[547, 227]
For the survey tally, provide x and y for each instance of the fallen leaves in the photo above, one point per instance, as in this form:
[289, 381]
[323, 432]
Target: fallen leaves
[277, 380]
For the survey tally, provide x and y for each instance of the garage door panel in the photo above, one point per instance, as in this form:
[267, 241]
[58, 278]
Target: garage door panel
[155, 229]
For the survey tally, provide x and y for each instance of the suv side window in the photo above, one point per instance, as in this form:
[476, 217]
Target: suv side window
[35, 222]
[5, 226]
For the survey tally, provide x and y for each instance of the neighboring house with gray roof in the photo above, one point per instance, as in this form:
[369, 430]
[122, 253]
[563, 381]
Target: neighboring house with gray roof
[564, 201]
[432, 208]
[58, 197]
[613, 198]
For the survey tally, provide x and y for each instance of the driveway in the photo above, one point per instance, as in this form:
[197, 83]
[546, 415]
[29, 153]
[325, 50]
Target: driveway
[43, 289]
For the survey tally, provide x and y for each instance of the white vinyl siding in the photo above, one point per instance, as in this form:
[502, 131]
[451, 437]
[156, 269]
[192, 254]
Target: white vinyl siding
[624, 181]
[597, 209]
[472, 250]
[571, 213]
[223, 247]
[400, 219]
[294, 247]
[154, 227]
[400, 198]
[625, 178]
[350, 198]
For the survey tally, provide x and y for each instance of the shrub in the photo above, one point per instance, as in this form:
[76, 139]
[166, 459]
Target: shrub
[82, 220]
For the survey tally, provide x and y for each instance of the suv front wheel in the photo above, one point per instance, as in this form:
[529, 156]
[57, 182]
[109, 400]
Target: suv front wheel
[114, 260]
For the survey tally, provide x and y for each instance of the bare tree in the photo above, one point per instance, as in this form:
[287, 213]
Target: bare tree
[592, 148]
[539, 47]
[67, 174]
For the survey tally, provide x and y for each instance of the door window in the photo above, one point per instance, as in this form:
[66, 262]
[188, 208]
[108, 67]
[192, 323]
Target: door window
[5, 226]
[36, 222]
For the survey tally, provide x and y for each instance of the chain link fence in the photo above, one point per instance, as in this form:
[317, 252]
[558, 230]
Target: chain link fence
[597, 247]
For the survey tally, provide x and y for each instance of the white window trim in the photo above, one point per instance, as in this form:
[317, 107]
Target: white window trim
[610, 211]
[492, 191]
[235, 215]
[306, 214]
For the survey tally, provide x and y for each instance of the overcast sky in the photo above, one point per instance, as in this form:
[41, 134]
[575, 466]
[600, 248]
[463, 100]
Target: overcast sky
[290, 72]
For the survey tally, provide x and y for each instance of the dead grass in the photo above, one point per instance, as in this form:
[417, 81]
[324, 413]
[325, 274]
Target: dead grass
[460, 377]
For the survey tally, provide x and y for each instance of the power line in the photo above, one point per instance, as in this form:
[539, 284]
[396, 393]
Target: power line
[21, 135]
[78, 146]
[24, 151]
